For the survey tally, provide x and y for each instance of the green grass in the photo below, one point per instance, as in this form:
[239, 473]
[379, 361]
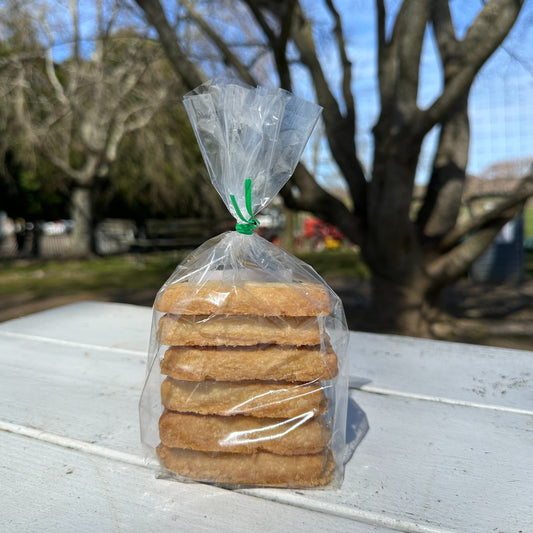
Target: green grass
[60, 277]
[340, 262]
[133, 272]
[528, 222]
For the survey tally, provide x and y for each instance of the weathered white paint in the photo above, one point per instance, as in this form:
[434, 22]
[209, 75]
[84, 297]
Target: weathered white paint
[459, 372]
[436, 458]
[112, 325]
[49, 488]
[455, 467]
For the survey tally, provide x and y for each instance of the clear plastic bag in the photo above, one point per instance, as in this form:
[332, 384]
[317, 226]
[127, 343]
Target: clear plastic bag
[246, 375]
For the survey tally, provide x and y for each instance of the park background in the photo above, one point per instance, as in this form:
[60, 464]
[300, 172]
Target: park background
[152, 206]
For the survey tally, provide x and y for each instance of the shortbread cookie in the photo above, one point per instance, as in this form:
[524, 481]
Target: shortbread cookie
[237, 330]
[263, 362]
[252, 398]
[246, 298]
[260, 468]
[243, 434]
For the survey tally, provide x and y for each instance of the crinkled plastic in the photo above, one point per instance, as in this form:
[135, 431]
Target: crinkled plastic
[246, 379]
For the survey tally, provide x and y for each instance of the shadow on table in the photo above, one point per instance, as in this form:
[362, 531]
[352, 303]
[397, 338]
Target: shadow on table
[356, 428]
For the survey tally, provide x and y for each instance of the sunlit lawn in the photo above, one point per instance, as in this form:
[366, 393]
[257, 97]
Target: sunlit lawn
[134, 272]
[58, 277]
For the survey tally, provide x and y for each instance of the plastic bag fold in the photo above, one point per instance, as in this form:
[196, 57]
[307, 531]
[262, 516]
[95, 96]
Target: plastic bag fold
[246, 378]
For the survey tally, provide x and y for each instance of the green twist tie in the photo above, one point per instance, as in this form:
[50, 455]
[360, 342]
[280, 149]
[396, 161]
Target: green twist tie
[247, 226]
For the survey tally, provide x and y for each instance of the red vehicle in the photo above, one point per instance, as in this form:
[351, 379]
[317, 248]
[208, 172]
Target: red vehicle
[321, 234]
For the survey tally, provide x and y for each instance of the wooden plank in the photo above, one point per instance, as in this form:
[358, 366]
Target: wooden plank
[49, 488]
[481, 375]
[87, 394]
[122, 327]
[420, 464]
[440, 466]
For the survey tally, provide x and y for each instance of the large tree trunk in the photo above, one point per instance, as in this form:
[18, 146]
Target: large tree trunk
[403, 306]
[81, 214]
[401, 287]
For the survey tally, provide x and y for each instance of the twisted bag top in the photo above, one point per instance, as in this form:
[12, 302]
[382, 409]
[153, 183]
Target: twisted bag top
[251, 140]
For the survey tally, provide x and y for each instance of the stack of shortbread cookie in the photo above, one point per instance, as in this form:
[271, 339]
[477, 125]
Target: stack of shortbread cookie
[243, 396]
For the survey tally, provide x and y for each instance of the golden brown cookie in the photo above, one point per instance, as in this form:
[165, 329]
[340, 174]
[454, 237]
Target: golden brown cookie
[262, 362]
[246, 298]
[243, 434]
[260, 468]
[237, 330]
[251, 398]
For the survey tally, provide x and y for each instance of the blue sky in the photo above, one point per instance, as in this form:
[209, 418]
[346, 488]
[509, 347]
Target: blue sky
[500, 107]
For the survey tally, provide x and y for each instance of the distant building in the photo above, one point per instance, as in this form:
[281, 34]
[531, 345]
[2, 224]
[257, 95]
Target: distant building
[511, 168]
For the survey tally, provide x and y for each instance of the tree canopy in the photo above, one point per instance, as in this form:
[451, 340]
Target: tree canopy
[97, 128]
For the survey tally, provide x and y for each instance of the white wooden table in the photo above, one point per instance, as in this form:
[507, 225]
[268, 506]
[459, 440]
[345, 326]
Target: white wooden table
[444, 433]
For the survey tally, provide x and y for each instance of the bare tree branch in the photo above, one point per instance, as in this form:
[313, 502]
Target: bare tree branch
[392, 237]
[76, 26]
[186, 70]
[106, 28]
[444, 191]
[404, 53]
[82, 175]
[457, 261]
[278, 43]
[340, 130]
[442, 201]
[228, 55]
[346, 65]
[382, 46]
[281, 48]
[311, 197]
[258, 14]
[485, 34]
[50, 67]
[54, 81]
[441, 20]
[521, 193]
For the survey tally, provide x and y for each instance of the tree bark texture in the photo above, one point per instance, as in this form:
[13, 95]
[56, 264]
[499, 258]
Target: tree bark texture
[81, 214]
